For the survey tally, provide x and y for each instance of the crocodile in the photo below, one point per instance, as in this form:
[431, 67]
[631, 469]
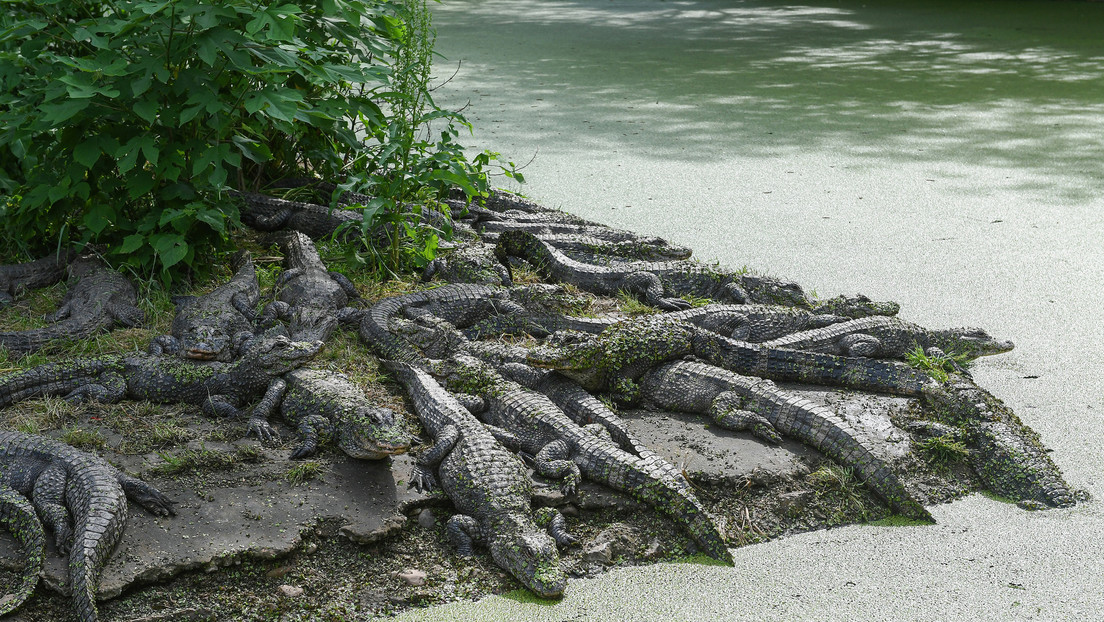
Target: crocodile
[855, 307]
[890, 337]
[656, 283]
[100, 299]
[216, 325]
[472, 263]
[266, 213]
[1009, 457]
[461, 304]
[218, 388]
[615, 359]
[311, 298]
[19, 518]
[566, 451]
[488, 485]
[41, 272]
[326, 406]
[740, 402]
[64, 482]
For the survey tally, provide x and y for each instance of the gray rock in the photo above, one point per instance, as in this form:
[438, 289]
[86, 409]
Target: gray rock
[290, 591]
[413, 577]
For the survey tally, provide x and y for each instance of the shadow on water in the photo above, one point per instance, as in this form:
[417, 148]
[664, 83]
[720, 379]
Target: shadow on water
[1008, 84]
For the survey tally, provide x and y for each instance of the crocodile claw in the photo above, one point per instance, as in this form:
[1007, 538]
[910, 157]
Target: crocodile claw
[262, 429]
[422, 480]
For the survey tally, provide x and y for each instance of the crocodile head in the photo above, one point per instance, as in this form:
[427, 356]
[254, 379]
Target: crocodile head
[855, 307]
[530, 555]
[277, 355]
[969, 342]
[204, 343]
[372, 434]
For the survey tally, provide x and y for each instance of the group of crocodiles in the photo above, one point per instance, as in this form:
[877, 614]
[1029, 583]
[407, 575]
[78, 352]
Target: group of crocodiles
[492, 408]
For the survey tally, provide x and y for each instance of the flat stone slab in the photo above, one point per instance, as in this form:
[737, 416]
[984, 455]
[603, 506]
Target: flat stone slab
[709, 452]
[249, 511]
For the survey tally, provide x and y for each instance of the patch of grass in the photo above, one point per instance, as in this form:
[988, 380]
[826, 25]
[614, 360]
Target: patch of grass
[696, 301]
[303, 472]
[943, 451]
[995, 497]
[37, 416]
[203, 459]
[84, 439]
[939, 366]
[840, 492]
[629, 305]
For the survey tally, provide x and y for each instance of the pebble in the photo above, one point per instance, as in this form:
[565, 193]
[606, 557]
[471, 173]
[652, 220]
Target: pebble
[291, 591]
[413, 577]
[426, 519]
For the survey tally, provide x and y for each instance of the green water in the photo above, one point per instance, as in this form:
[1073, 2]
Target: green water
[1017, 84]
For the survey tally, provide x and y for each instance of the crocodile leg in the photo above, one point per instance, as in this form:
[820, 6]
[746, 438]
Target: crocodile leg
[313, 430]
[556, 524]
[18, 516]
[462, 531]
[728, 412]
[553, 461]
[110, 389]
[151, 499]
[258, 421]
[48, 497]
[422, 479]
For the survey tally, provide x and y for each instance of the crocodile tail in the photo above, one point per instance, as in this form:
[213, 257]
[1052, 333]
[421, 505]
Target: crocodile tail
[18, 516]
[625, 472]
[50, 379]
[95, 536]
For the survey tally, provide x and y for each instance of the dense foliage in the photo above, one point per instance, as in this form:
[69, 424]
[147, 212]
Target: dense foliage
[125, 123]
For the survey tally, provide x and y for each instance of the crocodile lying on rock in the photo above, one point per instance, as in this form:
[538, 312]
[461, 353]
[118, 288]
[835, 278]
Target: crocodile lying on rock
[739, 402]
[615, 359]
[563, 450]
[312, 299]
[488, 485]
[82, 498]
[657, 283]
[100, 299]
[327, 407]
[890, 337]
[42, 272]
[218, 388]
[219, 324]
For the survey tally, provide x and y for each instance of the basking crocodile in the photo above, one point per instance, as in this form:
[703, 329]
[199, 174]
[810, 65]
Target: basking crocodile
[19, 518]
[216, 325]
[266, 213]
[461, 304]
[218, 388]
[855, 307]
[327, 407]
[739, 402]
[615, 359]
[488, 485]
[1008, 456]
[656, 283]
[311, 298]
[890, 337]
[61, 482]
[564, 450]
[41, 272]
[100, 299]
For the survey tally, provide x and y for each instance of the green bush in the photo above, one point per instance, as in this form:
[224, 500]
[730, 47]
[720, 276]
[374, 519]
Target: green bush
[125, 122]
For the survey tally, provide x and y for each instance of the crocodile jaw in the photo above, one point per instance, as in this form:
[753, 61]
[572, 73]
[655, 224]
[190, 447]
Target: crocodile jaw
[531, 558]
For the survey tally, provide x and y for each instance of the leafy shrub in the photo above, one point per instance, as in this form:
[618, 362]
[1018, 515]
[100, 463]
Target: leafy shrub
[125, 122]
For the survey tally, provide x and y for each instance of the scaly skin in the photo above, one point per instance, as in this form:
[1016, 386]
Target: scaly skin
[739, 403]
[217, 325]
[327, 407]
[615, 359]
[1007, 455]
[656, 283]
[19, 518]
[889, 337]
[460, 304]
[471, 263]
[60, 481]
[100, 300]
[308, 296]
[218, 388]
[266, 213]
[564, 450]
[581, 243]
[42, 272]
[488, 485]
